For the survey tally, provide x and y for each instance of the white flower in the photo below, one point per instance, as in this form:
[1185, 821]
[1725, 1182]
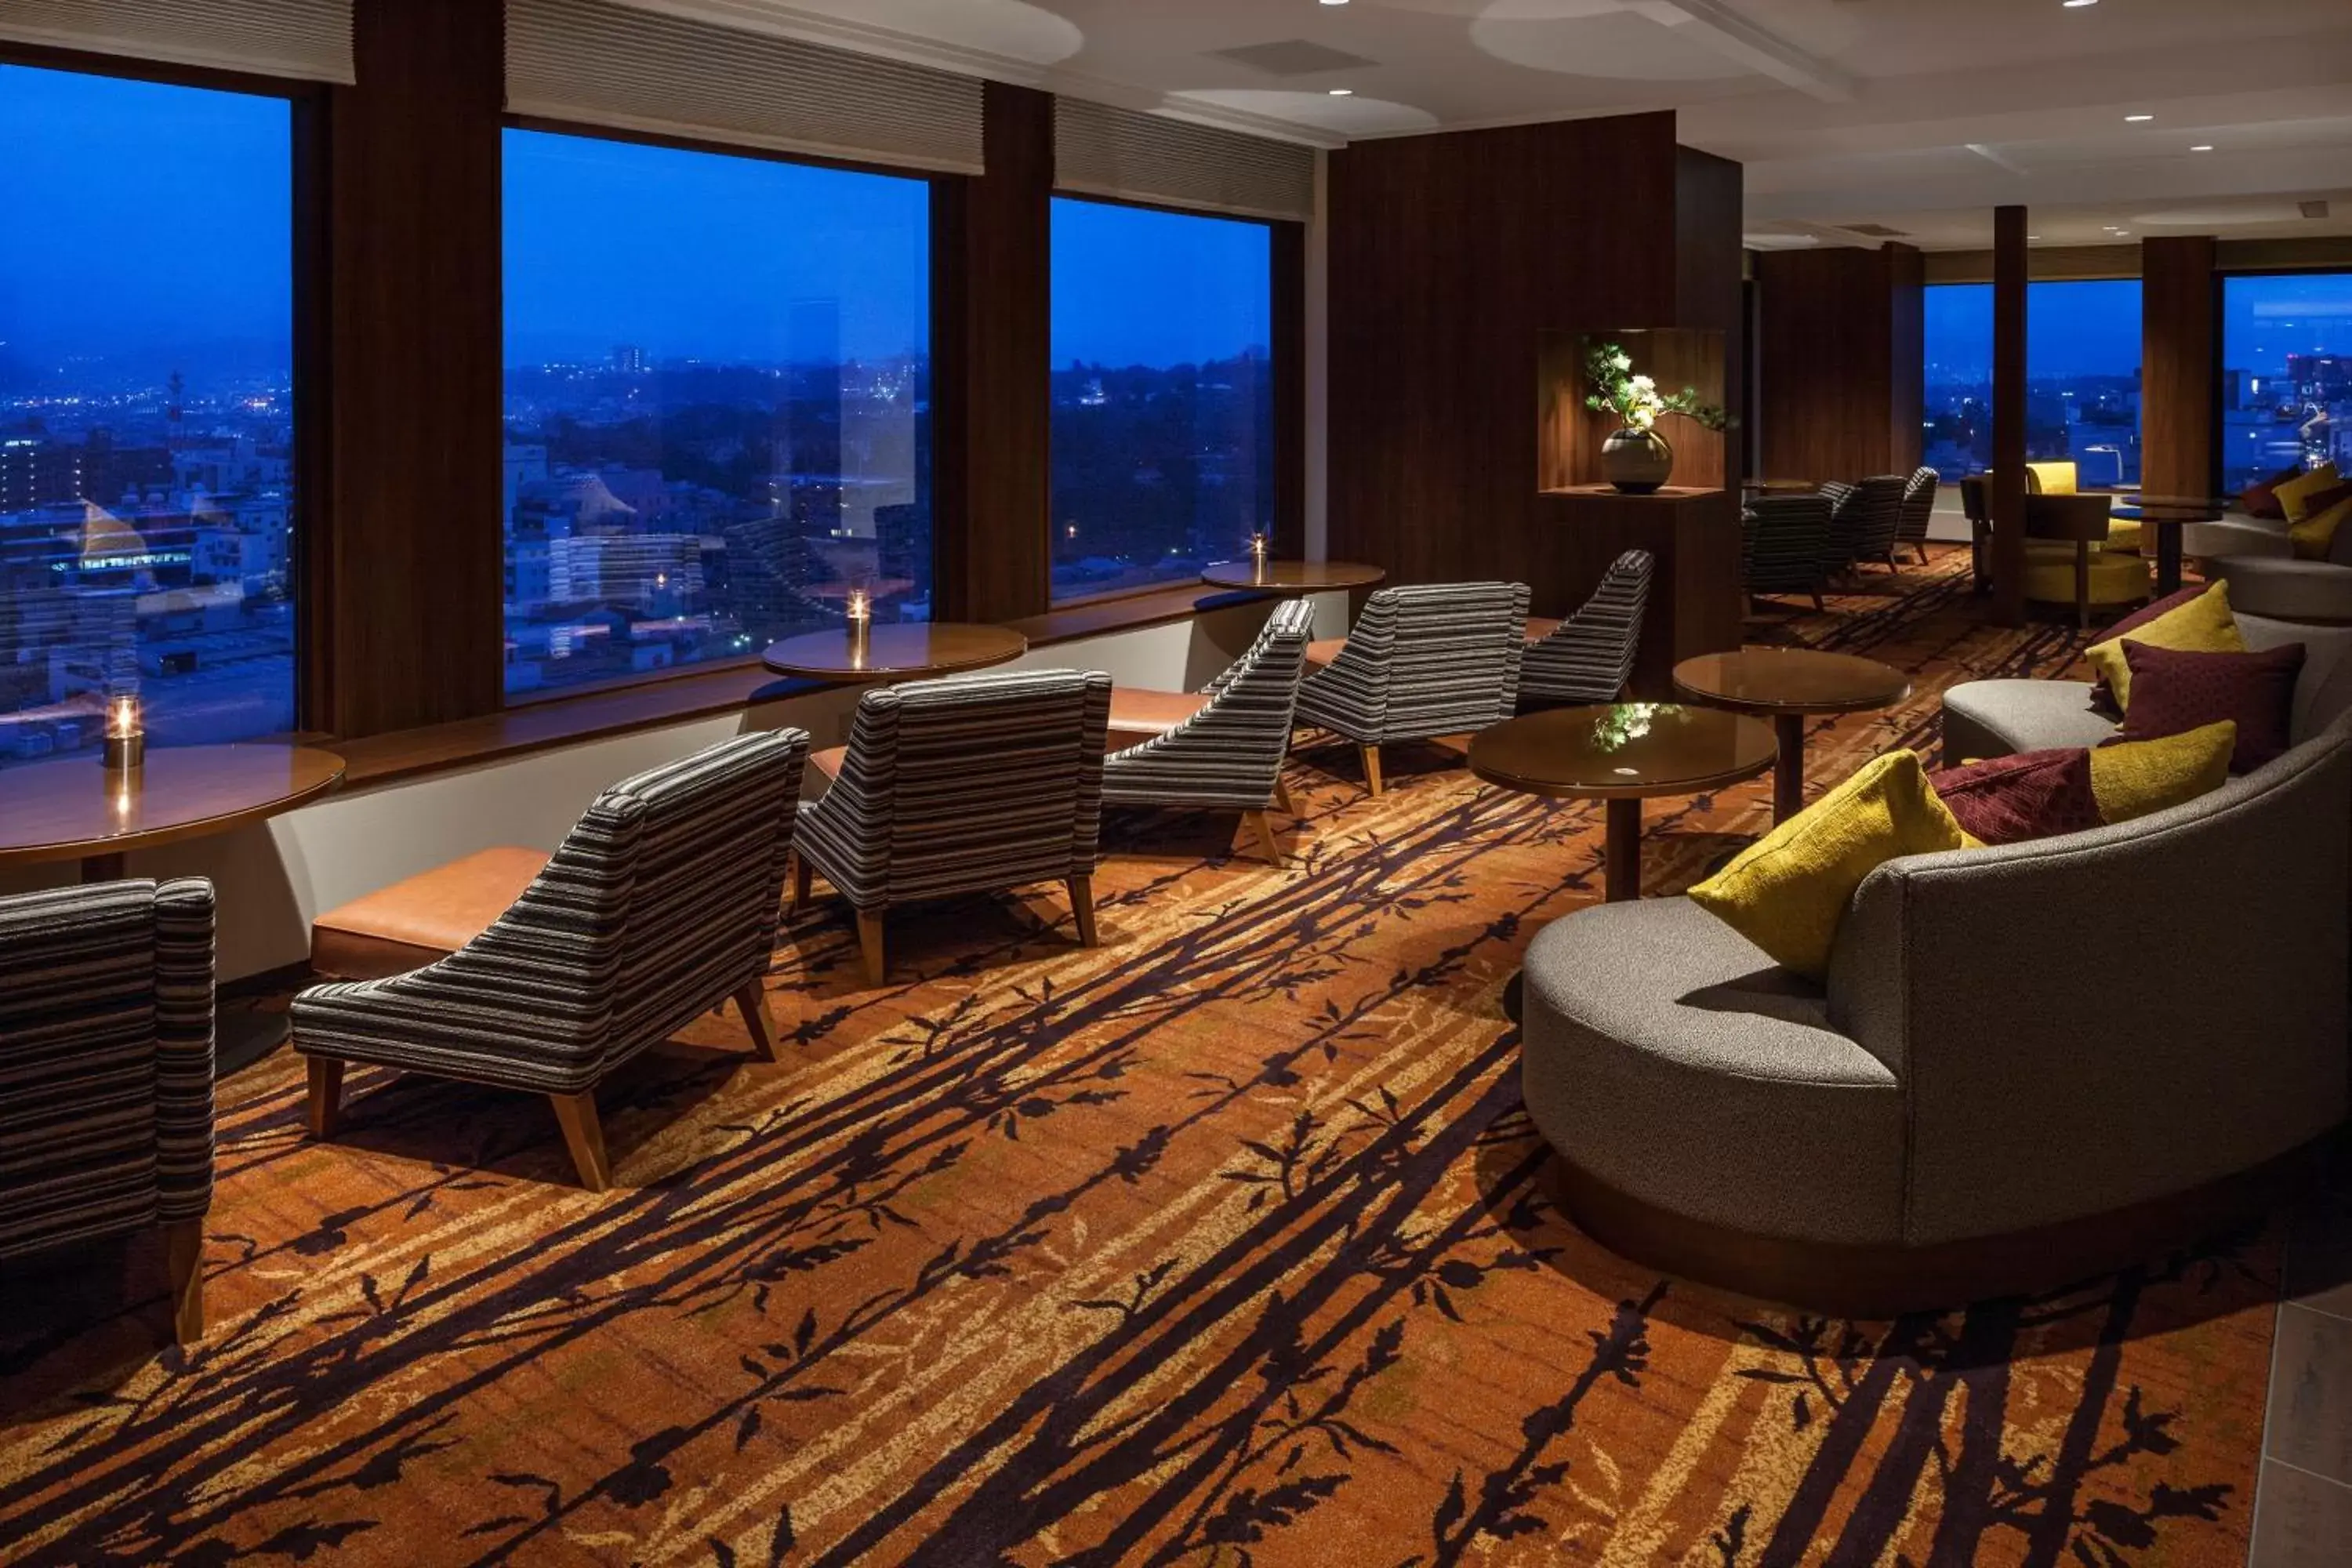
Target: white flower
[1622, 362]
[1645, 383]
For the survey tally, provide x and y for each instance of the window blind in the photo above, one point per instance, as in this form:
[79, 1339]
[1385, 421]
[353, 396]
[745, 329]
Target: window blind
[1100, 150]
[308, 40]
[636, 70]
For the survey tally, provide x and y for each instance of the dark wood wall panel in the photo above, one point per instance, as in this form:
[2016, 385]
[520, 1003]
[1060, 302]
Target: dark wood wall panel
[1289, 348]
[1451, 256]
[1710, 272]
[1840, 346]
[2179, 301]
[414, 547]
[992, 301]
[2012, 259]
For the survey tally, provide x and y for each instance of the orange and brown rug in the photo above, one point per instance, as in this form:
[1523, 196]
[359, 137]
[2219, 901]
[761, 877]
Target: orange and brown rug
[1225, 1244]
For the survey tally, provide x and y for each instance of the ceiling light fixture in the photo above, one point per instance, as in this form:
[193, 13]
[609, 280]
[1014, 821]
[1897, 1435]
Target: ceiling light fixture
[2070, 5]
[1343, 92]
[2202, 147]
[1344, 2]
[2137, 118]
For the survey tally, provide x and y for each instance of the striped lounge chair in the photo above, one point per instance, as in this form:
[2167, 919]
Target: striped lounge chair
[1426, 661]
[1864, 519]
[552, 970]
[105, 1073]
[973, 784]
[1919, 507]
[1223, 749]
[1783, 541]
[1588, 657]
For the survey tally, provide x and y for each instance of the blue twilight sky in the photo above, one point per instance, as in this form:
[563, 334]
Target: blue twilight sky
[151, 226]
[2094, 327]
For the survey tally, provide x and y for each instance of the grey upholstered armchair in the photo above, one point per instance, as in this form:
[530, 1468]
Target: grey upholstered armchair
[1919, 510]
[1783, 540]
[105, 1073]
[1438, 659]
[660, 905]
[1863, 521]
[967, 786]
[1588, 657]
[1223, 749]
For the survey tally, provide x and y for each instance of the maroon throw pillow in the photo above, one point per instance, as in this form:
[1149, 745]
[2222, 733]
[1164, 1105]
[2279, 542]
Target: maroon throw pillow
[2261, 500]
[2327, 500]
[2103, 699]
[2189, 690]
[2008, 800]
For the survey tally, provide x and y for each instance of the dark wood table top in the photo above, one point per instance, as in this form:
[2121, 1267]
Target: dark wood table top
[73, 809]
[1297, 574]
[2169, 509]
[1770, 680]
[895, 650]
[1629, 752]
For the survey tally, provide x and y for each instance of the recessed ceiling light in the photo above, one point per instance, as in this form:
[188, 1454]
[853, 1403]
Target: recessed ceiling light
[2202, 147]
[2070, 5]
[1344, 2]
[1343, 92]
[2033, 236]
[2137, 118]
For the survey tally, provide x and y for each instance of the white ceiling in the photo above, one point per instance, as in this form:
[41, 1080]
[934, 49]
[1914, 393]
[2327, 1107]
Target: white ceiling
[1920, 115]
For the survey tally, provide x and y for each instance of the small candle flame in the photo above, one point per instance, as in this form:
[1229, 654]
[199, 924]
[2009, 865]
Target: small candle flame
[1258, 545]
[123, 717]
[861, 607]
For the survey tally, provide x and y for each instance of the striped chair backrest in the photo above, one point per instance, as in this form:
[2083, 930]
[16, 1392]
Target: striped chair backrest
[983, 781]
[1782, 541]
[1918, 505]
[1877, 516]
[106, 1060]
[1230, 752]
[1590, 656]
[1455, 657]
[707, 883]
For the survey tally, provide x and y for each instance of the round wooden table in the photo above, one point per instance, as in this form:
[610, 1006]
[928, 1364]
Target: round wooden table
[897, 651]
[2164, 515]
[1302, 576]
[1622, 755]
[1788, 685]
[73, 809]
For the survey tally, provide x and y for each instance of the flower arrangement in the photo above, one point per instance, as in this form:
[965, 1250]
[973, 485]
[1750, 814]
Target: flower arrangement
[1635, 399]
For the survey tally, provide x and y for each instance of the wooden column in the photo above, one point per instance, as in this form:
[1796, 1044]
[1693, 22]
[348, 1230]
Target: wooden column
[2178, 304]
[1906, 348]
[409, 552]
[1841, 340]
[2008, 484]
[992, 301]
[1289, 348]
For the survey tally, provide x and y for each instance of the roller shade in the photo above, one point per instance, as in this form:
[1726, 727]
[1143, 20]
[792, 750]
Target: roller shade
[307, 39]
[635, 69]
[1099, 151]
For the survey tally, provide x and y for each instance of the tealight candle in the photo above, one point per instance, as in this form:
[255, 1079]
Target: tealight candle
[860, 620]
[1258, 554]
[126, 735]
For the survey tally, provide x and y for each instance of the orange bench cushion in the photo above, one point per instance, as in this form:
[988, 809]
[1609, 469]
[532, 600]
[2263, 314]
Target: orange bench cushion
[428, 916]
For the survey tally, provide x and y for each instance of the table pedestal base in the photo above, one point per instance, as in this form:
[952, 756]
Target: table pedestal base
[1623, 872]
[1789, 772]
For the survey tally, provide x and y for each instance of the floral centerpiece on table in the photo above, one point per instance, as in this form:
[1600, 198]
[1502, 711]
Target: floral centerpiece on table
[1637, 459]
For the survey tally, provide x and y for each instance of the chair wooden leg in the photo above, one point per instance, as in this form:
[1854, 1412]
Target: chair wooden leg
[1283, 801]
[869, 941]
[1264, 827]
[1371, 756]
[583, 1134]
[1082, 905]
[183, 1265]
[326, 1097]
[1820, 607]
[752, 1003]
[803, 882]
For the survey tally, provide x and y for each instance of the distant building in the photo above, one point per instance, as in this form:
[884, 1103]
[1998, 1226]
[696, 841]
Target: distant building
[629, 359]
[36, 472]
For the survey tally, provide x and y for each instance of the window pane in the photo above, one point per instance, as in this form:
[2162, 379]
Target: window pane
[146, 410]
[718, 404]
[2082, 378]
[1163, 405]
[1959, 379]
[2286, 376]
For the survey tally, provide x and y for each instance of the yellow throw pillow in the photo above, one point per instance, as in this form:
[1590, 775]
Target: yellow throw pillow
[2139, 778]
[2315, 536]
[2058, 479]
[1788, 891]
[2294, 496]
[2204, 624]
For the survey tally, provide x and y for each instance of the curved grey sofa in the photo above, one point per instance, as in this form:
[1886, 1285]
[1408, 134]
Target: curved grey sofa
[2002, 717]
[2024, 1057]
[2317, 593]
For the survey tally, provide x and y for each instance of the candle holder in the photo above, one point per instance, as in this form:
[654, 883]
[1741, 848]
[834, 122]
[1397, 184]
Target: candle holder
[860, 623]
[1257, 557]
[125, 746]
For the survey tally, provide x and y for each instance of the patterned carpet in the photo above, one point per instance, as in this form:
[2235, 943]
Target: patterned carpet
[1225, 1243]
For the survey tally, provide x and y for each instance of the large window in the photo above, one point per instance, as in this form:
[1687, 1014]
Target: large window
[146, 410]
[2286, 376]
[1163, 400]
[2082, 375]
[718, 404]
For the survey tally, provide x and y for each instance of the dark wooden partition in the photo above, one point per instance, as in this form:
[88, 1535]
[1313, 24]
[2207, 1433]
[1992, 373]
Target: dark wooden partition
[412, 550]
[992, 301]
[1452, 257]
[1841, 344]
[2010, 261]
[2178, 304]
